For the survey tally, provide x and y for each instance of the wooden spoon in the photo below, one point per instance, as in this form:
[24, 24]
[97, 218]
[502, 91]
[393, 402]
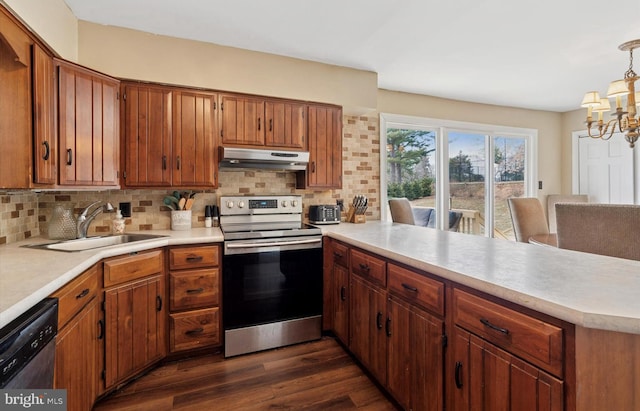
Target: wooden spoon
[188, 204]
[181, 203]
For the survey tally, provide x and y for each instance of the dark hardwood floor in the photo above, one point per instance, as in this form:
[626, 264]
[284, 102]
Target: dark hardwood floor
[318, 375]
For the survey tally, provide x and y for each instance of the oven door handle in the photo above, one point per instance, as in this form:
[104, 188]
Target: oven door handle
[272, 244]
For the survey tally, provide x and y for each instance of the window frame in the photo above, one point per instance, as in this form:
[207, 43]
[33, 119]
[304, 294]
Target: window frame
[441, 128]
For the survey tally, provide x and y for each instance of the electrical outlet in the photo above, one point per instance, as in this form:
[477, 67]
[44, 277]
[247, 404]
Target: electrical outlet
[125, 209]
[340, 203]
[540, 185]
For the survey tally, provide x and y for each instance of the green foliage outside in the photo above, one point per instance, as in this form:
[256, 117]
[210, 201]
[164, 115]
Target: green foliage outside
[411, 189]
[408, 168]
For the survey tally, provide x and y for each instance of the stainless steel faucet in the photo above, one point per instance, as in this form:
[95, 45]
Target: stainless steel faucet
[83, 222]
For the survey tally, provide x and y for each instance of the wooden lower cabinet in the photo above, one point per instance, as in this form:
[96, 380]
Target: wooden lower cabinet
[415, 357]
[369, 325]
[194, 295]
[135, 315]
[491, 379]
[78, 360]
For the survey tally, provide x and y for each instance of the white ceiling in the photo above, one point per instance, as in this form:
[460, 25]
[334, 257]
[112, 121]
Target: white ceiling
[541, 54]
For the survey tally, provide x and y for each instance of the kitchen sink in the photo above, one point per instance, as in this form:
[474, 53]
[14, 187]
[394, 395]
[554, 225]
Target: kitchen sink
[89, 243]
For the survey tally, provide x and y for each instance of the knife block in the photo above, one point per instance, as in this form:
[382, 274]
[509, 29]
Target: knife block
[352, 217]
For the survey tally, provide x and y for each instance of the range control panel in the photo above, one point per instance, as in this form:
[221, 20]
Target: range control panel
[260, 205]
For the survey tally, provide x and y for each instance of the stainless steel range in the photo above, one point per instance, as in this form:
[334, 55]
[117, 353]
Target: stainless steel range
[272, 274]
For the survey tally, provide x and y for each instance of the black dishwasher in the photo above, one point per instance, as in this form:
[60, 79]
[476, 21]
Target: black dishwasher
[27, 348]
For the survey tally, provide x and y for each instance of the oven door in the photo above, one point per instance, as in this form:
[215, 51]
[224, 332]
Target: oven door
[271, 282]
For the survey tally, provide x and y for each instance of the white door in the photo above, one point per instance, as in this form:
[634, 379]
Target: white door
[606, 170]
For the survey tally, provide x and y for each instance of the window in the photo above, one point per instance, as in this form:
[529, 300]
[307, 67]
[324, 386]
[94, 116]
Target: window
[465, 171]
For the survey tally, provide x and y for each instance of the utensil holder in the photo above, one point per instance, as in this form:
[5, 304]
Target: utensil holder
[181, 220]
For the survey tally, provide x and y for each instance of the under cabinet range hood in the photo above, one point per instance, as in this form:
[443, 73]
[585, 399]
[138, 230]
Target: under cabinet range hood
[231, 157]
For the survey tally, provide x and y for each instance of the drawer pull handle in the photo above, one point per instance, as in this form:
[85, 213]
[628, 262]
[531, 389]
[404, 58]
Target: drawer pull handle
[194, 258]
[195, 291]
[158, 303]
[337, 254]
[409, 287]
[343, 293]
[100, 329]
[486, 323]
[387, 327]
[195, 331]
[82, 294]
[364, 267]
[379, 320]
[458, 374]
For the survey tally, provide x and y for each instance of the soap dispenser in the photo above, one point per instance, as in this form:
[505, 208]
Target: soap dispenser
[118, 223]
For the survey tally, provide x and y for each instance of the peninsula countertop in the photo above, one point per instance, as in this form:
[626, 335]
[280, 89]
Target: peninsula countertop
[587, 290]
[28, 275]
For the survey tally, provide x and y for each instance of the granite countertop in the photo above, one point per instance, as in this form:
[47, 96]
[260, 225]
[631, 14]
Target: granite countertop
[27, 275]
[587, 290]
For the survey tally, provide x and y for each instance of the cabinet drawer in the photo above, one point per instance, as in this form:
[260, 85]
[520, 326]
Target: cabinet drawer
[75, 295]
[417, 289]
[193, 288]
[532, 339]
[369, 267]
[122, 269]
[340, 253]
[195, 329]
[194, 257]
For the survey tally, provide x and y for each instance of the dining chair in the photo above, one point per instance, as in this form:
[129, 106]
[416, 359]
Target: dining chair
[553, 199]
[605, 229]
[527, 217]
[401, 211]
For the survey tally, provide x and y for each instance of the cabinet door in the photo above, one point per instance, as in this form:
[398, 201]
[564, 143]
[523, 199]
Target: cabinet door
[286, 125]
[135, 317]
[427, 361]
[488, 378]
[242, 120]
[340, 310]
[15, 103]
[400, 353]
[88, 124]
[77, 359]
[369, 325]
[44, 134]
[325, 147]
[147, 136]
[193, 139]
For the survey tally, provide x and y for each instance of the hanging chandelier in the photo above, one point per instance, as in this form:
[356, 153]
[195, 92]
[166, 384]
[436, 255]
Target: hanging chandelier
[624, 121]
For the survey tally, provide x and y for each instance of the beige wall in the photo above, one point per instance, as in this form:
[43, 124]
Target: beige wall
[137, 55]
[571, 121]
[548, 124]
[53, 21]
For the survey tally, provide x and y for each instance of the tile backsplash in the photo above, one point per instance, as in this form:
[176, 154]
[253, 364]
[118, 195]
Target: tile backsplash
[25, 214]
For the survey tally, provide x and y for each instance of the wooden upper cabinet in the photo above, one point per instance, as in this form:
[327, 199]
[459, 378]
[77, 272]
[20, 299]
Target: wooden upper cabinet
[147, 135]
[194, 148]
[242, 120]
[169, 136]
[15, 103]
[45, 138]
[88, 124]
[286, 125]
[325, 148]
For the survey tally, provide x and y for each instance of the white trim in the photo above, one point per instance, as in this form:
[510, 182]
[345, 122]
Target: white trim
[440, 126]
